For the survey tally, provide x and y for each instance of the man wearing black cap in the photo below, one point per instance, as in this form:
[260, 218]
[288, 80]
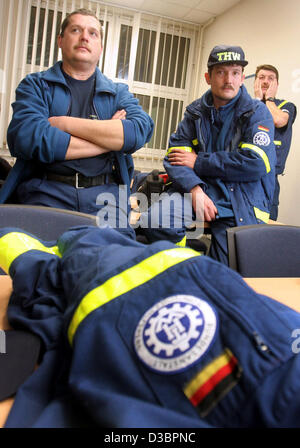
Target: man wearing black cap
[221, 158]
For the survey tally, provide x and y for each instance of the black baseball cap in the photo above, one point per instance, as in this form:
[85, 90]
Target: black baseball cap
[19, 354]
[226, 54]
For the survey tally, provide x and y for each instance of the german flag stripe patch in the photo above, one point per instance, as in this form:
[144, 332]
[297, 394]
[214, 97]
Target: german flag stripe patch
[207, 388]
[263, 128]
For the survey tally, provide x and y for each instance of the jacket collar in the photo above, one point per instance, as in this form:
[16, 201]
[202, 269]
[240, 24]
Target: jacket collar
[103, 84]
[204, 104]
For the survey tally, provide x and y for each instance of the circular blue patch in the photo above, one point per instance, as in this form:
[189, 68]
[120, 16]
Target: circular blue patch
[175, 333]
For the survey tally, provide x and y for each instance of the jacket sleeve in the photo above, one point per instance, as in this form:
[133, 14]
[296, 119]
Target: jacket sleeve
[183, 177]
[283, 136]
[30, 136]
[291, 109]
[252, 159]
[37, 302]
[138, 126]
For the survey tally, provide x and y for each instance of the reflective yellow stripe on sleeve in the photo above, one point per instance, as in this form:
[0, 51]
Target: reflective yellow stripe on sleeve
[185, 148]
[14, 244]
[263, 216]
[126, 281]
[282, 104]
[182, 243]
[260, 152]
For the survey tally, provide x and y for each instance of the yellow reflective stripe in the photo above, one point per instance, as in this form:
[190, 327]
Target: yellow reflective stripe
[14, 244]
[277, 142]
[185, 148]
[126, 281]
[182, 243]
[263, 216]
[195, 142]
[260, 152]
[282, 104]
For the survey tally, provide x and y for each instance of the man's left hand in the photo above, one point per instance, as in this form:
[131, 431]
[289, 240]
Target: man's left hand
[181, 157]
[58, 122]
[272, 90]
[119, 115]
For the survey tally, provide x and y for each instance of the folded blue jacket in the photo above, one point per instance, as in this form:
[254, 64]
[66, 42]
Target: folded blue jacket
[146, 336]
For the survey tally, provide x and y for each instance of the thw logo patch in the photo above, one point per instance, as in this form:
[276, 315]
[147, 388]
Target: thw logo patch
[175, 333]
[228, 56]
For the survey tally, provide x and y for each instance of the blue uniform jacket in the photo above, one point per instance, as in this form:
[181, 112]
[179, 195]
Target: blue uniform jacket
[41, 95]
[283, 136]
[246, 166]
[146, 336]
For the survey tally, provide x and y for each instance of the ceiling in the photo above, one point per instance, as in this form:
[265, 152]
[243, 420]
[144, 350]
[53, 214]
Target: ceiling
[196, 11]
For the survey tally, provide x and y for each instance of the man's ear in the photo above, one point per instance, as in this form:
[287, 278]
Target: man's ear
[243, 79]
[207, 78]
[59, 41]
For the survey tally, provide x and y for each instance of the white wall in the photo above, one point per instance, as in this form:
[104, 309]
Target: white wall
[269, 33]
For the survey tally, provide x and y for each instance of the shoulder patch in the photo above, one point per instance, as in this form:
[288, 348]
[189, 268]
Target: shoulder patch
[175, 333]
[261, 138]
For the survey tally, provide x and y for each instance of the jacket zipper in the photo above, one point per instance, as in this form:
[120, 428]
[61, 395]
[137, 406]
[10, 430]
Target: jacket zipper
[199, 135]
[95, 109]
[243, 323]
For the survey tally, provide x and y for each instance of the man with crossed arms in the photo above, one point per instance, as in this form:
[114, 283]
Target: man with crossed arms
[73, 130]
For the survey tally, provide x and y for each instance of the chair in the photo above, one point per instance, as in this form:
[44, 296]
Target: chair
[264, 250]
[46, 223]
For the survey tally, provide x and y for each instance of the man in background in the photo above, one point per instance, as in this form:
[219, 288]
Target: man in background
[73, 130]
[283, 113]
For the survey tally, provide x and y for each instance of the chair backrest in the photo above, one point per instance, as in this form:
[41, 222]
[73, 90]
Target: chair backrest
[264, 250]
[46, 223]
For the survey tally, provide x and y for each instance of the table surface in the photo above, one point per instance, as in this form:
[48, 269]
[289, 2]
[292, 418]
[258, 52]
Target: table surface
[284, 289]
[5, 293]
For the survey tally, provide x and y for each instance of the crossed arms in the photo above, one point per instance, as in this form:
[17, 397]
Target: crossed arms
[90, 138]
[33, 136]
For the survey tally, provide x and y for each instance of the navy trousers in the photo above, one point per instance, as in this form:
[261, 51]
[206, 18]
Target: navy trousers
[170, 219]
[275, 203]
[109, 201]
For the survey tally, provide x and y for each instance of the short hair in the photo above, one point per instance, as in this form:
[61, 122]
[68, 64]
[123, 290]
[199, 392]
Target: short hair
[83, 12]
[269, 67]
